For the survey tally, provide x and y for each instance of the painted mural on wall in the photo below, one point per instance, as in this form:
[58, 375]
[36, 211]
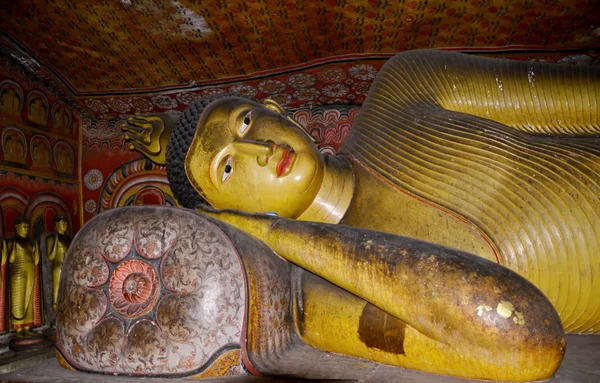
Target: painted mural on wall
[113, 175]
[39, 141]
[39, 184]
[144, 44]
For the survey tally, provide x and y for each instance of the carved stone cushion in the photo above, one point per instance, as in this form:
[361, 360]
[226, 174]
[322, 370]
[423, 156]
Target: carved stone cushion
[152, 291]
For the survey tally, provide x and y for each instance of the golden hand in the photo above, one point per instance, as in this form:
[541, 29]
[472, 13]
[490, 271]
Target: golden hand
[149, 135]
[11, 251]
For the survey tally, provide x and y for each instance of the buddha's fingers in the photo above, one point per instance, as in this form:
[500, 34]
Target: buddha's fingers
[135, 125]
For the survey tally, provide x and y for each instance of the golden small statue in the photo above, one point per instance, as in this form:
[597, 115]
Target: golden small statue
[11, 100]
[494, 157]
[23, 257]
[64, 160]
[14, 148]
[37, 111]
[57, 245]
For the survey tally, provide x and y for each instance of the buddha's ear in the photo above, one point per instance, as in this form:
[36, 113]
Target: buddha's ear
[274, 106]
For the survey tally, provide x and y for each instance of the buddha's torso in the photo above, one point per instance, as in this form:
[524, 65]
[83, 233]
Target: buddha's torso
[515, 158]
[536, 199]
[21, 254]
[379, 205]
[62, 245]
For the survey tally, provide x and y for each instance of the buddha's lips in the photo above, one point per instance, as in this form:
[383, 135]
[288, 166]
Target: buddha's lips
[285, 162]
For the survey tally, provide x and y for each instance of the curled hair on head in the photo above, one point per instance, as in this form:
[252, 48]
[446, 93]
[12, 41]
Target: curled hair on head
[21, 219]
[59, 218]
[179, 144]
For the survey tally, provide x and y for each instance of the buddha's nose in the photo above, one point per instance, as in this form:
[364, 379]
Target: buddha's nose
[258, 148]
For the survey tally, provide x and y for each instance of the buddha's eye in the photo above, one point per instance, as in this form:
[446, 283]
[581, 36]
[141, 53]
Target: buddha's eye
[228, 169]
[246, 122]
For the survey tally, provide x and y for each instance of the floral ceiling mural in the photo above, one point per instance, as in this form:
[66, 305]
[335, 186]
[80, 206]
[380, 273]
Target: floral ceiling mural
[126, 56]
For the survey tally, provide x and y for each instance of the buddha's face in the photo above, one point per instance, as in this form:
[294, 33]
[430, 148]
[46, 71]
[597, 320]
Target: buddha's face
[22, 229]
[251, 157]
[61, 226]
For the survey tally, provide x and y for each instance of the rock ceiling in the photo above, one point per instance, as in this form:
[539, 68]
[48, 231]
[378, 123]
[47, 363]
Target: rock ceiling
[124, 56]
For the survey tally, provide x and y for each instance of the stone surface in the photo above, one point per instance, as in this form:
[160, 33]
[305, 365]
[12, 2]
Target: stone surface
[581, 365]
[150, 294]
[27, 358]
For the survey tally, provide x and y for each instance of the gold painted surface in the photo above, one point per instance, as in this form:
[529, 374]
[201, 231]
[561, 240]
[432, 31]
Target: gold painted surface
[436, 291]
[23, 256]
[335, 194]
[378, 205]
[57, 244]
[530, 185]
[63, 362]
[228, 364]
[252, 158]
[494, 191]
[338, 322]
[149, 134]
[505, 309]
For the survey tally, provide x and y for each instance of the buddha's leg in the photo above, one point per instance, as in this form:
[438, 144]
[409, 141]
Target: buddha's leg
[18, 297]
[337, 321]
[55, 281]
[28, 301]
[18, 307]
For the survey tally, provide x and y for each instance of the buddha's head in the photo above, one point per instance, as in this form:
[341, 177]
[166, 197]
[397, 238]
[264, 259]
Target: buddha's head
[61, 225]
[22, 227]
[241, 154]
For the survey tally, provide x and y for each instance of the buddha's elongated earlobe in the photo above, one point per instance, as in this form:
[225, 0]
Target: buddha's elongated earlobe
[276, 107]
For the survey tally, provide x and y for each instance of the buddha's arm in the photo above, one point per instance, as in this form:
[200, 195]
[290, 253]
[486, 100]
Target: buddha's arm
[461, 300]
[149, 134]
[12, 253]
[51, 243]
[537, 98]
[36, 252]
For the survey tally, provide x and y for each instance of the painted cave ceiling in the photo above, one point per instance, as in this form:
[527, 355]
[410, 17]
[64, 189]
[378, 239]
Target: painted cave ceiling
[118, 57]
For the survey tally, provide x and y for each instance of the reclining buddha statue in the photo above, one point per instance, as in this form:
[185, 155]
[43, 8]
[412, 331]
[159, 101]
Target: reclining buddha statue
[456, 232]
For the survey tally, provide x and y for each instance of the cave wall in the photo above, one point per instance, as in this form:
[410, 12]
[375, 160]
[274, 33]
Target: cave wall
[39, 157]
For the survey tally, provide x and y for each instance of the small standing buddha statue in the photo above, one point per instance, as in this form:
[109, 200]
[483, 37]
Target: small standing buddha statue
[23, 257]
[57, 244]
